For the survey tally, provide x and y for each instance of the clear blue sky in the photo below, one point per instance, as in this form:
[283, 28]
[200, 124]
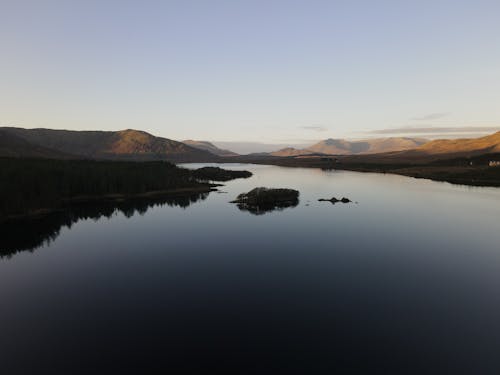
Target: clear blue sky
[270, 71]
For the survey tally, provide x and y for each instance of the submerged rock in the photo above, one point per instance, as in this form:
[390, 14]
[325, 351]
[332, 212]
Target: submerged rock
[261, 200]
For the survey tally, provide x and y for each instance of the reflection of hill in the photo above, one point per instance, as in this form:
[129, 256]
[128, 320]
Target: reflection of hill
[29, 234]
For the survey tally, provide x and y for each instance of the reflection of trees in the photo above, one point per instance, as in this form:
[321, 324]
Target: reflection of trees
[29, 234]
[262, 209]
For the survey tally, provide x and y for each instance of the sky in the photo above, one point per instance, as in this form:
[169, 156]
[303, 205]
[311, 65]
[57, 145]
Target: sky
[286, 72]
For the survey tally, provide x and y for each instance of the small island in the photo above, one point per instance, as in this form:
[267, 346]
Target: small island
[261, 199]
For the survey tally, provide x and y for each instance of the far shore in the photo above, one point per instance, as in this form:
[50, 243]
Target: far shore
[456, 171]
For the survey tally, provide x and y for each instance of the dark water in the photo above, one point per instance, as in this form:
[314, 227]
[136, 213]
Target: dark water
[405, 281]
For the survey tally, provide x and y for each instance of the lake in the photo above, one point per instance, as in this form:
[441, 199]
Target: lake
[406, 279]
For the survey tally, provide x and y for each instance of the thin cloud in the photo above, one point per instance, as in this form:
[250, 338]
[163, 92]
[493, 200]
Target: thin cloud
[450, 135]
[431, 116]
[315, 128]
[436, 130]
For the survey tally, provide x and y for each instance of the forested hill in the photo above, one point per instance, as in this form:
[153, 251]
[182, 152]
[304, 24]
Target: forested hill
[133, 145]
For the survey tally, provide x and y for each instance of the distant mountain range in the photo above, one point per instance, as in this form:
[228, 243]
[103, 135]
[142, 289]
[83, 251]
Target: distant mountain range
[207, 146]
[141, 146]
[343, 147]
[442, 149]
[245, 148]
[110, 145]
[291, 151]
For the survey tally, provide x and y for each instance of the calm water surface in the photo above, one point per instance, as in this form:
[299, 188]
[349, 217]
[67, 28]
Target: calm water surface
[406, 280]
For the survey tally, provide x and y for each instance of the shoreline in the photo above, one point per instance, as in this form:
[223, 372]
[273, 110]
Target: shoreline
[479, 175]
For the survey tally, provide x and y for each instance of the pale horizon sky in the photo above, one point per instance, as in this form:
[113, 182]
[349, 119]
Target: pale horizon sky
[259, 71]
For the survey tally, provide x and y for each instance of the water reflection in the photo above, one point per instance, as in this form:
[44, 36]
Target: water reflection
[263, 209]
[407, 279]
[30, 234]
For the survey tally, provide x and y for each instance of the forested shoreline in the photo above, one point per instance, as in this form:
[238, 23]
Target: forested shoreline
[31, 186]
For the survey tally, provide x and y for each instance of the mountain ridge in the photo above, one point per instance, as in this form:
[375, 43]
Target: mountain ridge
[332, 146]
[129, 144]
[137, 145]
[14, 146]
[210, 147]
[486, 144]
[370, 146]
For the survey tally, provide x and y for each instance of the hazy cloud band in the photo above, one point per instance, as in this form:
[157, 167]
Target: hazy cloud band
[432, 130]
[431, 116]
[316, 128]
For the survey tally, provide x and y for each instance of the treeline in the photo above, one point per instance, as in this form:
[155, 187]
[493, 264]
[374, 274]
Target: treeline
[219, 174]
[27, 185]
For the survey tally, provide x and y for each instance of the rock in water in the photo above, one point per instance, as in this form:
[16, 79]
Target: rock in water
[334, 200]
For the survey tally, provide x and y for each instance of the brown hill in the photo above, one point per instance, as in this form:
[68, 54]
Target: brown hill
[369, 146]
[207, 146]
[338, 147]
[114, 145]
[444, 149]
[392, 144]
[483, 145]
